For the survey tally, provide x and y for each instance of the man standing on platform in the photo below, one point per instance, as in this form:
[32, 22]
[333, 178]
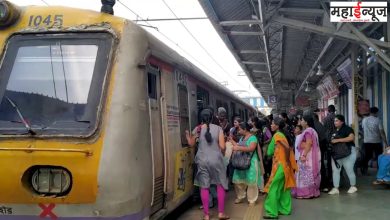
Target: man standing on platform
[374, 135]
[223, 121]
[323, 141]
[325, 153]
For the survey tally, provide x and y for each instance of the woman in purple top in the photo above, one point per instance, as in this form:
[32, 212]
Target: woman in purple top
[267, 136]
[308, 177]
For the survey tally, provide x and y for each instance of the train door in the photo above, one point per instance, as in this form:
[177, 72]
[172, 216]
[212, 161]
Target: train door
[184, 113]
[154, 92]
[233, 110]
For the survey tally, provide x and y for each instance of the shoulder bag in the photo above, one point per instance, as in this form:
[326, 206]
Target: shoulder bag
[340, 151]
[242, 160]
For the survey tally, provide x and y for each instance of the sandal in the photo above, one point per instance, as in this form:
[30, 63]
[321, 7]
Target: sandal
[238, 201]
[283, 213]
[224, 217]
[206, 217]
[270, 217]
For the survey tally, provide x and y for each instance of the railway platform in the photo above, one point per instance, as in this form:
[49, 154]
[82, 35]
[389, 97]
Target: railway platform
[371, 202]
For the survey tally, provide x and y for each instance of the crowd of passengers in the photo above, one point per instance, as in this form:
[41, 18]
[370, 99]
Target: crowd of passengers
[282, 157]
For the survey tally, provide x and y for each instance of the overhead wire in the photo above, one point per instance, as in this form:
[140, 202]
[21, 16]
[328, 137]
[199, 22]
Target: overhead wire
[123, 4]
[175, 43]
[165, 36]
[200, 44]
[152, 26]
[45, 2]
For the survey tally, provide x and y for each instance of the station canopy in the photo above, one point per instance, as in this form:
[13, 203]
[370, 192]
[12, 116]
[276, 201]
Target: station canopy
[281, 43]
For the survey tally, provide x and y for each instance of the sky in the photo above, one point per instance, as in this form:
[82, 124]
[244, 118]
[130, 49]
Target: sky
[196, 40]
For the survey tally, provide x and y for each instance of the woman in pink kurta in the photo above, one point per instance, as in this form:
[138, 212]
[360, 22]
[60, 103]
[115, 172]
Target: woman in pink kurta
[308, 177]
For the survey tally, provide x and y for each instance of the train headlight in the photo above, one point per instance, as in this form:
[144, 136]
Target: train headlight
[9, 14]
[55, 181]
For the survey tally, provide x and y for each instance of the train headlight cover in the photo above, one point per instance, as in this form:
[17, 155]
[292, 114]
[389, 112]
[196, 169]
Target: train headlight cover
[54, 181]
[9, 14]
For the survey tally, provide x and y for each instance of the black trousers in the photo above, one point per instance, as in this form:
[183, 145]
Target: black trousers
[369, 150]
[326, 166]
[267, 168]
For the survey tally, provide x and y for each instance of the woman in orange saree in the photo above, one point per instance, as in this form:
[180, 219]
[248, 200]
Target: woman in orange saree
[278, 200]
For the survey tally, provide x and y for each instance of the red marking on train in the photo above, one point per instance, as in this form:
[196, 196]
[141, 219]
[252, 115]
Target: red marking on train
[47, 210]
[160, 63]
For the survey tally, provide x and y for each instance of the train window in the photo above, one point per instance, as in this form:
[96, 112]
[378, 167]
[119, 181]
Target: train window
[183, 113]
[219, 103]
[246, 114]
[152, 86]
[53, 83]
[202, 97]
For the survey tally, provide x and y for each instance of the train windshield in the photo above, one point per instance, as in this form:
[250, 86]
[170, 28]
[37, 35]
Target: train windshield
[52, 84]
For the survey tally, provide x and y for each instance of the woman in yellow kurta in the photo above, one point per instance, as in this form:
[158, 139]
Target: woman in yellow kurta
[282, 179]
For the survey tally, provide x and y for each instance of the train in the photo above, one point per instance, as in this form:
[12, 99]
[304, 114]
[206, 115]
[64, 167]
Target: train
[93, 114]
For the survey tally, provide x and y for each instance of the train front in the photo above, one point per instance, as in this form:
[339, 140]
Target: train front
[56, 63]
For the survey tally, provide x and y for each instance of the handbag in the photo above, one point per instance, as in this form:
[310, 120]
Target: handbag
[242, 160]
[340, 150]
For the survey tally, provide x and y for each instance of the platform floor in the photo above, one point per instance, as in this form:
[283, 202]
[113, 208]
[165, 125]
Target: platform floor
[369, 203]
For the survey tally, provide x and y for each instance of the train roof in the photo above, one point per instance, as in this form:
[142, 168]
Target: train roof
[164, 52]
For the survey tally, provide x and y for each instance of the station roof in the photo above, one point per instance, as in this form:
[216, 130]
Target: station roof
[280, 43]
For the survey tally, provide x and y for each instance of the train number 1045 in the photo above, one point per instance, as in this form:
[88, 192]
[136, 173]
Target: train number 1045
[50, 20]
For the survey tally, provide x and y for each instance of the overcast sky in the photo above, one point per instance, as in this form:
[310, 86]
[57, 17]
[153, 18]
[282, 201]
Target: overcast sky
[218, 62]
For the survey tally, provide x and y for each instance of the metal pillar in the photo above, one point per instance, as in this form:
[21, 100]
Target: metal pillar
[355, 121]
[387, 32]
[262, 11]
[386, 114]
